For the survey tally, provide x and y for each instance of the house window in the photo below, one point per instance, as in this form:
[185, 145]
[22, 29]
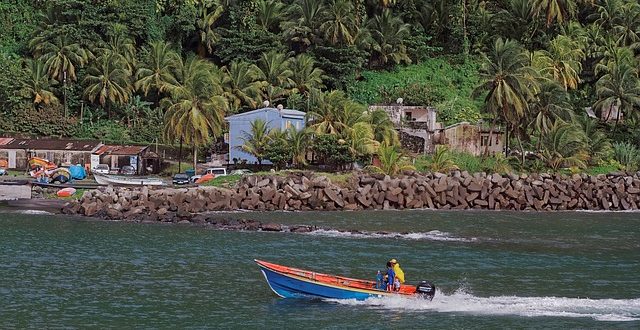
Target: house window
[484, 140]
[408, 116]
[287, 124]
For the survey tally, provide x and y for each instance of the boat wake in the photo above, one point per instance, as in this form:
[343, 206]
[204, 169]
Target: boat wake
[434, 235]
[598, 309]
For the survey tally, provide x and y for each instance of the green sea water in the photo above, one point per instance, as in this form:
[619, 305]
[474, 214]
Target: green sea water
[493, 270]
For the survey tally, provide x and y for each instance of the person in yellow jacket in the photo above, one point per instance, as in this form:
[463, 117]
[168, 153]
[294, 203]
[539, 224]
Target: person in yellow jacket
[397, 270]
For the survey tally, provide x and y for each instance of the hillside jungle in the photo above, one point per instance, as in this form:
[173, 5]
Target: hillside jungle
[168, 71]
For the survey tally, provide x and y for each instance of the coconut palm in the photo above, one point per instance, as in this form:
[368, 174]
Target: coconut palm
[550, 104]
[108, 81]
[620, 88]
[241, 85]
[157, 69]
[121, 46]
[507, 75]
[388, 33]
[256, 140]
[360, 139]
[339, 24]
[558, 10]
[441, 160]
[303, 22]
[561, 61]
[276, 74]
[61, 56]
[298, 142]
[305, 76]
[627, 26]
[383, 129]
[391, 161]
[269, 13]
[206, 34]
[598, 146]
[564, 145]
[38, 83]
[195, 108]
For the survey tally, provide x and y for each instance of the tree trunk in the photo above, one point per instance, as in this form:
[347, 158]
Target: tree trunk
[486, 147]
[195, 157]
[180, 157]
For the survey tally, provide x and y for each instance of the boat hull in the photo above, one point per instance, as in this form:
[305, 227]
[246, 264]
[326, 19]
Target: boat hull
[126, 181]
[290, 282]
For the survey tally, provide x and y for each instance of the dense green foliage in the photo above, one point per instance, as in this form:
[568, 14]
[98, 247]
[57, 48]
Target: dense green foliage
[120, 70]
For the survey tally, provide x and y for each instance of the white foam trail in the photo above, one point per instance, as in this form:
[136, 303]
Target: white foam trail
[459, 302]
[32, 212]
[434, 235]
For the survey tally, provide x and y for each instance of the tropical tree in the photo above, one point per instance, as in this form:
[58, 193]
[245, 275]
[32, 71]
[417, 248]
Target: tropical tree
[339, 24]
[305, 76]
[388, 33]
[627, 26]
[298, 142]
[441, 160]
[383, 129]
[38, 84]
[391, 160]
[303, 22]
[510, 81]
[269, 13]
[209, 12]
[157, 71]
[619, 89]
[554, 10]
[121, 46]
[360, 140]
[195, 108]
[276, 74]
[242, 85]
[550, 104]
[561, 62]
[256, 140]
[61, 56]
[598, 146]
[564, 145]
[108, 81]
[627, 155]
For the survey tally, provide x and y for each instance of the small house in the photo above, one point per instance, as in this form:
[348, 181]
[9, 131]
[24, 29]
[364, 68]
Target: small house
[63, 152]
[140, 158]
[474, 139]
[240, 126]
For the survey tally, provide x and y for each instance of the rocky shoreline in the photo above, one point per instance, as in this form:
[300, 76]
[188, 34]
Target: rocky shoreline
[308, 191]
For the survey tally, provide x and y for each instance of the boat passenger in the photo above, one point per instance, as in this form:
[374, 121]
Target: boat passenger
[397, 270]
[391, 277]
[379, 281]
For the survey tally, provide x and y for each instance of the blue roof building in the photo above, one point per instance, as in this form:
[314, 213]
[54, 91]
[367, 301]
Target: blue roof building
[275, 118]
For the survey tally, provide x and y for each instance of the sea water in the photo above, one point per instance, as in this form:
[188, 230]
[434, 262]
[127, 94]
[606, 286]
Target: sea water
[491, 269]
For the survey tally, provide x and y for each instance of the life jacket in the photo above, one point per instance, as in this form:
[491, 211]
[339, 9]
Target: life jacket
[398, 271]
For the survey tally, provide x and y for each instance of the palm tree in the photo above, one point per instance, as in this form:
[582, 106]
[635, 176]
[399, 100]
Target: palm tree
[121, 46]
[108, 81]
[564, 145]
[269, 13]
[558, 10]
[157, 70]
[598, 146]
[507, 75]
[61, 56]
[550, 104]
[441, 160]
[561, 62]
[38, 84]
[195, 110]
[256, 141]
[298, 142]
[383, 129]
[206, 34]
[339, 24]
[391, 161]
[388, 33]
[275, 70]
[302, 24]
[305, 76]
[627, 27]
[333, 112]
[619, 89]
[360, 139]
[241, 85]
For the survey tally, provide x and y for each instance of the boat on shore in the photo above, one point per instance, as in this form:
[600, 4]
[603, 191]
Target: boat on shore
[118, 180]
[288, 282]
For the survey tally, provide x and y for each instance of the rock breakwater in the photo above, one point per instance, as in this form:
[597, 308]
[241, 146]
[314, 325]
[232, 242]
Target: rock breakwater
[307, 191]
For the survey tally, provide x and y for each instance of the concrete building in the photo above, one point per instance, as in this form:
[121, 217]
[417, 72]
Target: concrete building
[63, 152]
[473, 139]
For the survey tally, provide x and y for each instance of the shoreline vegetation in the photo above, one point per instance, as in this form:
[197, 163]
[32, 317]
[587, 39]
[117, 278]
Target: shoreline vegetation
[306, 191]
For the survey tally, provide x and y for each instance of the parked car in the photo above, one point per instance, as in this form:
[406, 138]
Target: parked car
[101, 168]
[127, 170]
[180, 178]
[216, 171]
[241, 171]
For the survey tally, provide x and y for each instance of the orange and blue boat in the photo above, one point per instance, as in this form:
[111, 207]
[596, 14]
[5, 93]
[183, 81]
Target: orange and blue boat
[289, 282]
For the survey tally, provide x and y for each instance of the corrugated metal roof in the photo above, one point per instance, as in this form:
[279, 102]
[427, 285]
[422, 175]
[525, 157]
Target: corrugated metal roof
[4, 141]
[120, 150]
[52, 144]
[283, 112]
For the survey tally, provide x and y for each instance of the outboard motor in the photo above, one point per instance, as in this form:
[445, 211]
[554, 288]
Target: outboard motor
[426, 289]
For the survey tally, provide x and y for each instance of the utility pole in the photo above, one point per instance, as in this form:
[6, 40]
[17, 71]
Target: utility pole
[64, 89]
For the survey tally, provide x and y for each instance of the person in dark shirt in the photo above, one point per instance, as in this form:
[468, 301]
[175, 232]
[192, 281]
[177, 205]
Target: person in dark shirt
[391, 277]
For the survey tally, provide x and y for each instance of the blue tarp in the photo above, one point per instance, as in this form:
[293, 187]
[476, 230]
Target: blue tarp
[77, 172]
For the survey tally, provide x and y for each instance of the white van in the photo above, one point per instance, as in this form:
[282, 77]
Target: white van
[216, 171]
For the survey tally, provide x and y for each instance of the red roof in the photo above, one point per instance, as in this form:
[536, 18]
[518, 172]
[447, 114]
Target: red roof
[120, 150]
[4, 141]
